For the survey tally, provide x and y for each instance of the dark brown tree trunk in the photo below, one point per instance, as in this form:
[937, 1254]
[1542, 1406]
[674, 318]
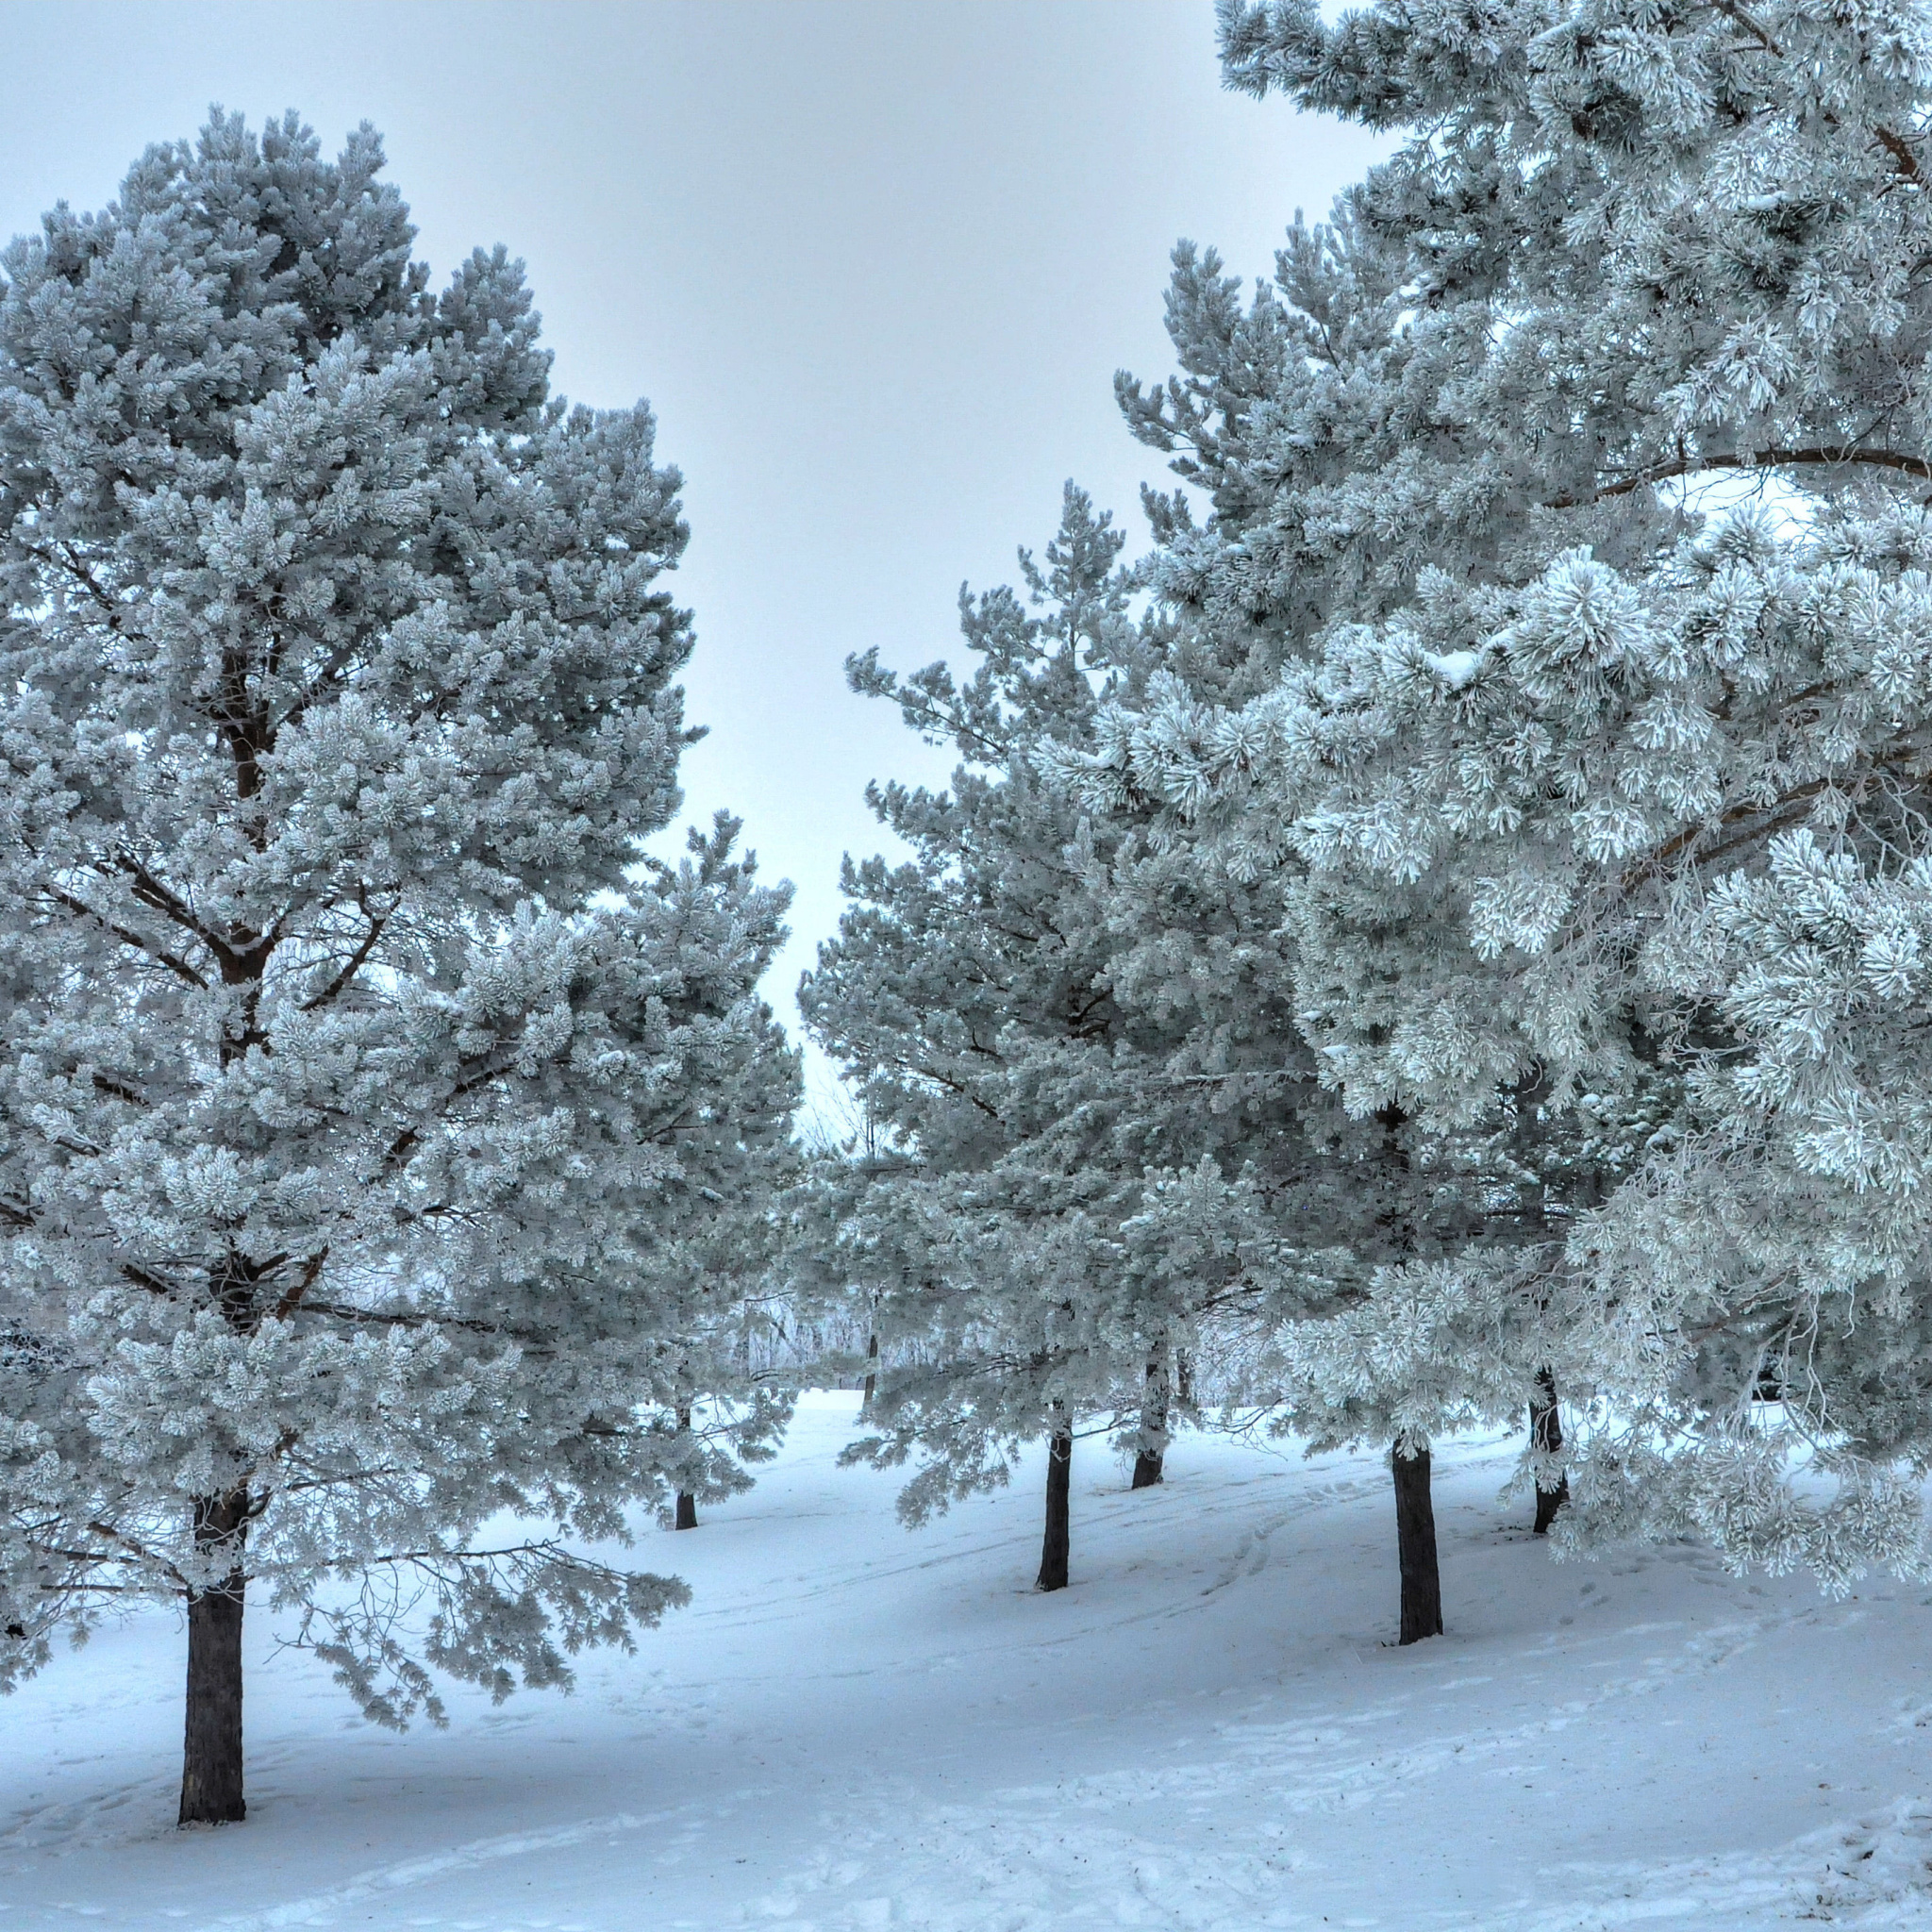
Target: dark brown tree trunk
[211, 1751]
[1150, 1462]
[687, 1517]
[872, 1372]
[1547, 1433]
[1184, 1377]
[1415, 1543]
[1060, 1483]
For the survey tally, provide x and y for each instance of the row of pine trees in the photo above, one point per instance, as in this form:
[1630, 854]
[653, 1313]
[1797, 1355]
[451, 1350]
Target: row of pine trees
[1440, 938]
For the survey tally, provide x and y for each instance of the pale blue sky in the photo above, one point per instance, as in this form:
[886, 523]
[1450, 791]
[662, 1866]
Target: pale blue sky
[873, 265]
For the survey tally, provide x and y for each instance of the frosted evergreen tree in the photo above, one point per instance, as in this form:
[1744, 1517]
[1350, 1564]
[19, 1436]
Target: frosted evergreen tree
[711, 1262]
[1597, 550]
[1280, 388]
[353, 1098]
[954, 1000]
[1065, 1185]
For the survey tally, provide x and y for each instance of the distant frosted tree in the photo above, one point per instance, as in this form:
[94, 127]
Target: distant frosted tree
[962, 995]
[1090, 1145]
[1581, 469]
[707, 1270]
[352, 1099]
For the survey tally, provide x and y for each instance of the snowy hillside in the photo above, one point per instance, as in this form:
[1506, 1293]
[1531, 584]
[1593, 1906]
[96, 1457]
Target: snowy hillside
[855, 1728]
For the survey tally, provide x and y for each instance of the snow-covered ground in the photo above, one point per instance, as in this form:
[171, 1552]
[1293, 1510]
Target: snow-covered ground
[857, 1727]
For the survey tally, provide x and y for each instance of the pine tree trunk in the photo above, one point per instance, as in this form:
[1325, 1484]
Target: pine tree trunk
[1184, 1377]
[1415, 1543]
[871, 1374]
[1060, 1483]
[1150, 1462]
[1547, 1433]
[212, 1750]
[687, 1517]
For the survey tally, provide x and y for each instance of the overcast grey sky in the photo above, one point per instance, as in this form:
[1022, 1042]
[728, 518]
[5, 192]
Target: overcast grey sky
[873, 265]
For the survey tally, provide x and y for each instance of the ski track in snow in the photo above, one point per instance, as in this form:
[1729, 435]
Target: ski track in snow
[325, 1908]
[855, 1729]
[996, 1873]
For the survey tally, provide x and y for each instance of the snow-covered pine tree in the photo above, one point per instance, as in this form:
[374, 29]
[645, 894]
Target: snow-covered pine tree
[1604, 744]
[1262, 406]
[1062, 1195]
[345, 1077]
[958, 1003]
[713, 1253]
